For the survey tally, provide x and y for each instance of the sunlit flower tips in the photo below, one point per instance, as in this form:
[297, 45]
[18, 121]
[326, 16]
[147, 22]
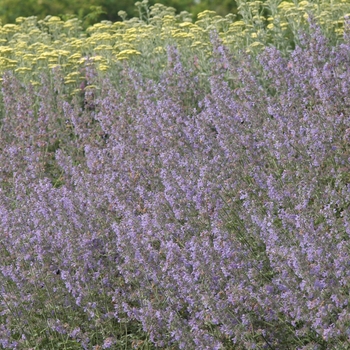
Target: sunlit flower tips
[75, 56]
[103, 48]
[20, 20]
[5, 50]
[118, 25]
[254, 45]
[285, 5]
[23, 70]
[28, 57]
[98, 58]
[103, 67]
[69, 24]
[53, 66]
[206, 13]
[125, 54]
[34, 83]
[339, 31]
[75, 91]
[64, 53]
[237, 24]
[91, 87]
[54, 19]
[11, 27]
[197, 44]
[159, 49]
[303, 4]
[183, 35]
[185, 24]
[6, 62]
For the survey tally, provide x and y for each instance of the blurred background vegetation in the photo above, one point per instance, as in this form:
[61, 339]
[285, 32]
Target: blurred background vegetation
[92, 11]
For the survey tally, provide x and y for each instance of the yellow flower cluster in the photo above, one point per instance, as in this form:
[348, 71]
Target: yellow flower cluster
[276, 22]
[31, 46]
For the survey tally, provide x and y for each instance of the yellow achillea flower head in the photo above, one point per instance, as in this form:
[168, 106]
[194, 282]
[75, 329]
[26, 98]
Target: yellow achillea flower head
[125, 54]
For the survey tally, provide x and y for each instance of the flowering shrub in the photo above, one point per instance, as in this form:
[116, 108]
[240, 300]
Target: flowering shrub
[173, 213]
[32, 46]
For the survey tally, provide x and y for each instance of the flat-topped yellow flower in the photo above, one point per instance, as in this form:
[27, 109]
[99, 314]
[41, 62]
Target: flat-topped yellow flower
[54, 19]
[339, 31]
[198, 44]
[73, 75]
[206, 13]
[75, 56]
[38, 47]
[195, 29]
[168, 20]
[159, 49]
[185, 24]
[175, 31]
[131, 31]
[91, 87]
[72, 23]
[7, 63]
[125, 54]
[23, 69]
[285, 5]
[28, 57]
[64, 53]
[20, 20]
[118, 25]
[130, 37]
[34, 31]
[123, 46]
[99, 27]
[5, 50]
[11, 27]
[21, 45]
[183, 36]
[34, 83]
[75, 42]
[256, 44]
[54, 65]
[49, 54]
[103, 48]
[103, 67]
[90, 41]
[102, 36]
[98, 58]
[237, 24]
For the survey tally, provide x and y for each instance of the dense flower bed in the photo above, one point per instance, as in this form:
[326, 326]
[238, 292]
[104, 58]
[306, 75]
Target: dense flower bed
[189, 211]
[32, 46]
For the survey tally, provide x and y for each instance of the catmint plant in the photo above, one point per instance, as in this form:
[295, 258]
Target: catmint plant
[187, 211]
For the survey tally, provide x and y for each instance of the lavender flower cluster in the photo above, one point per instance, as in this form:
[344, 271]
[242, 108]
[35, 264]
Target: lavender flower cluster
[215, 214]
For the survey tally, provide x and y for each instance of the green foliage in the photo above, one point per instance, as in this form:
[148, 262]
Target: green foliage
[92, 10]
[95, 10]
